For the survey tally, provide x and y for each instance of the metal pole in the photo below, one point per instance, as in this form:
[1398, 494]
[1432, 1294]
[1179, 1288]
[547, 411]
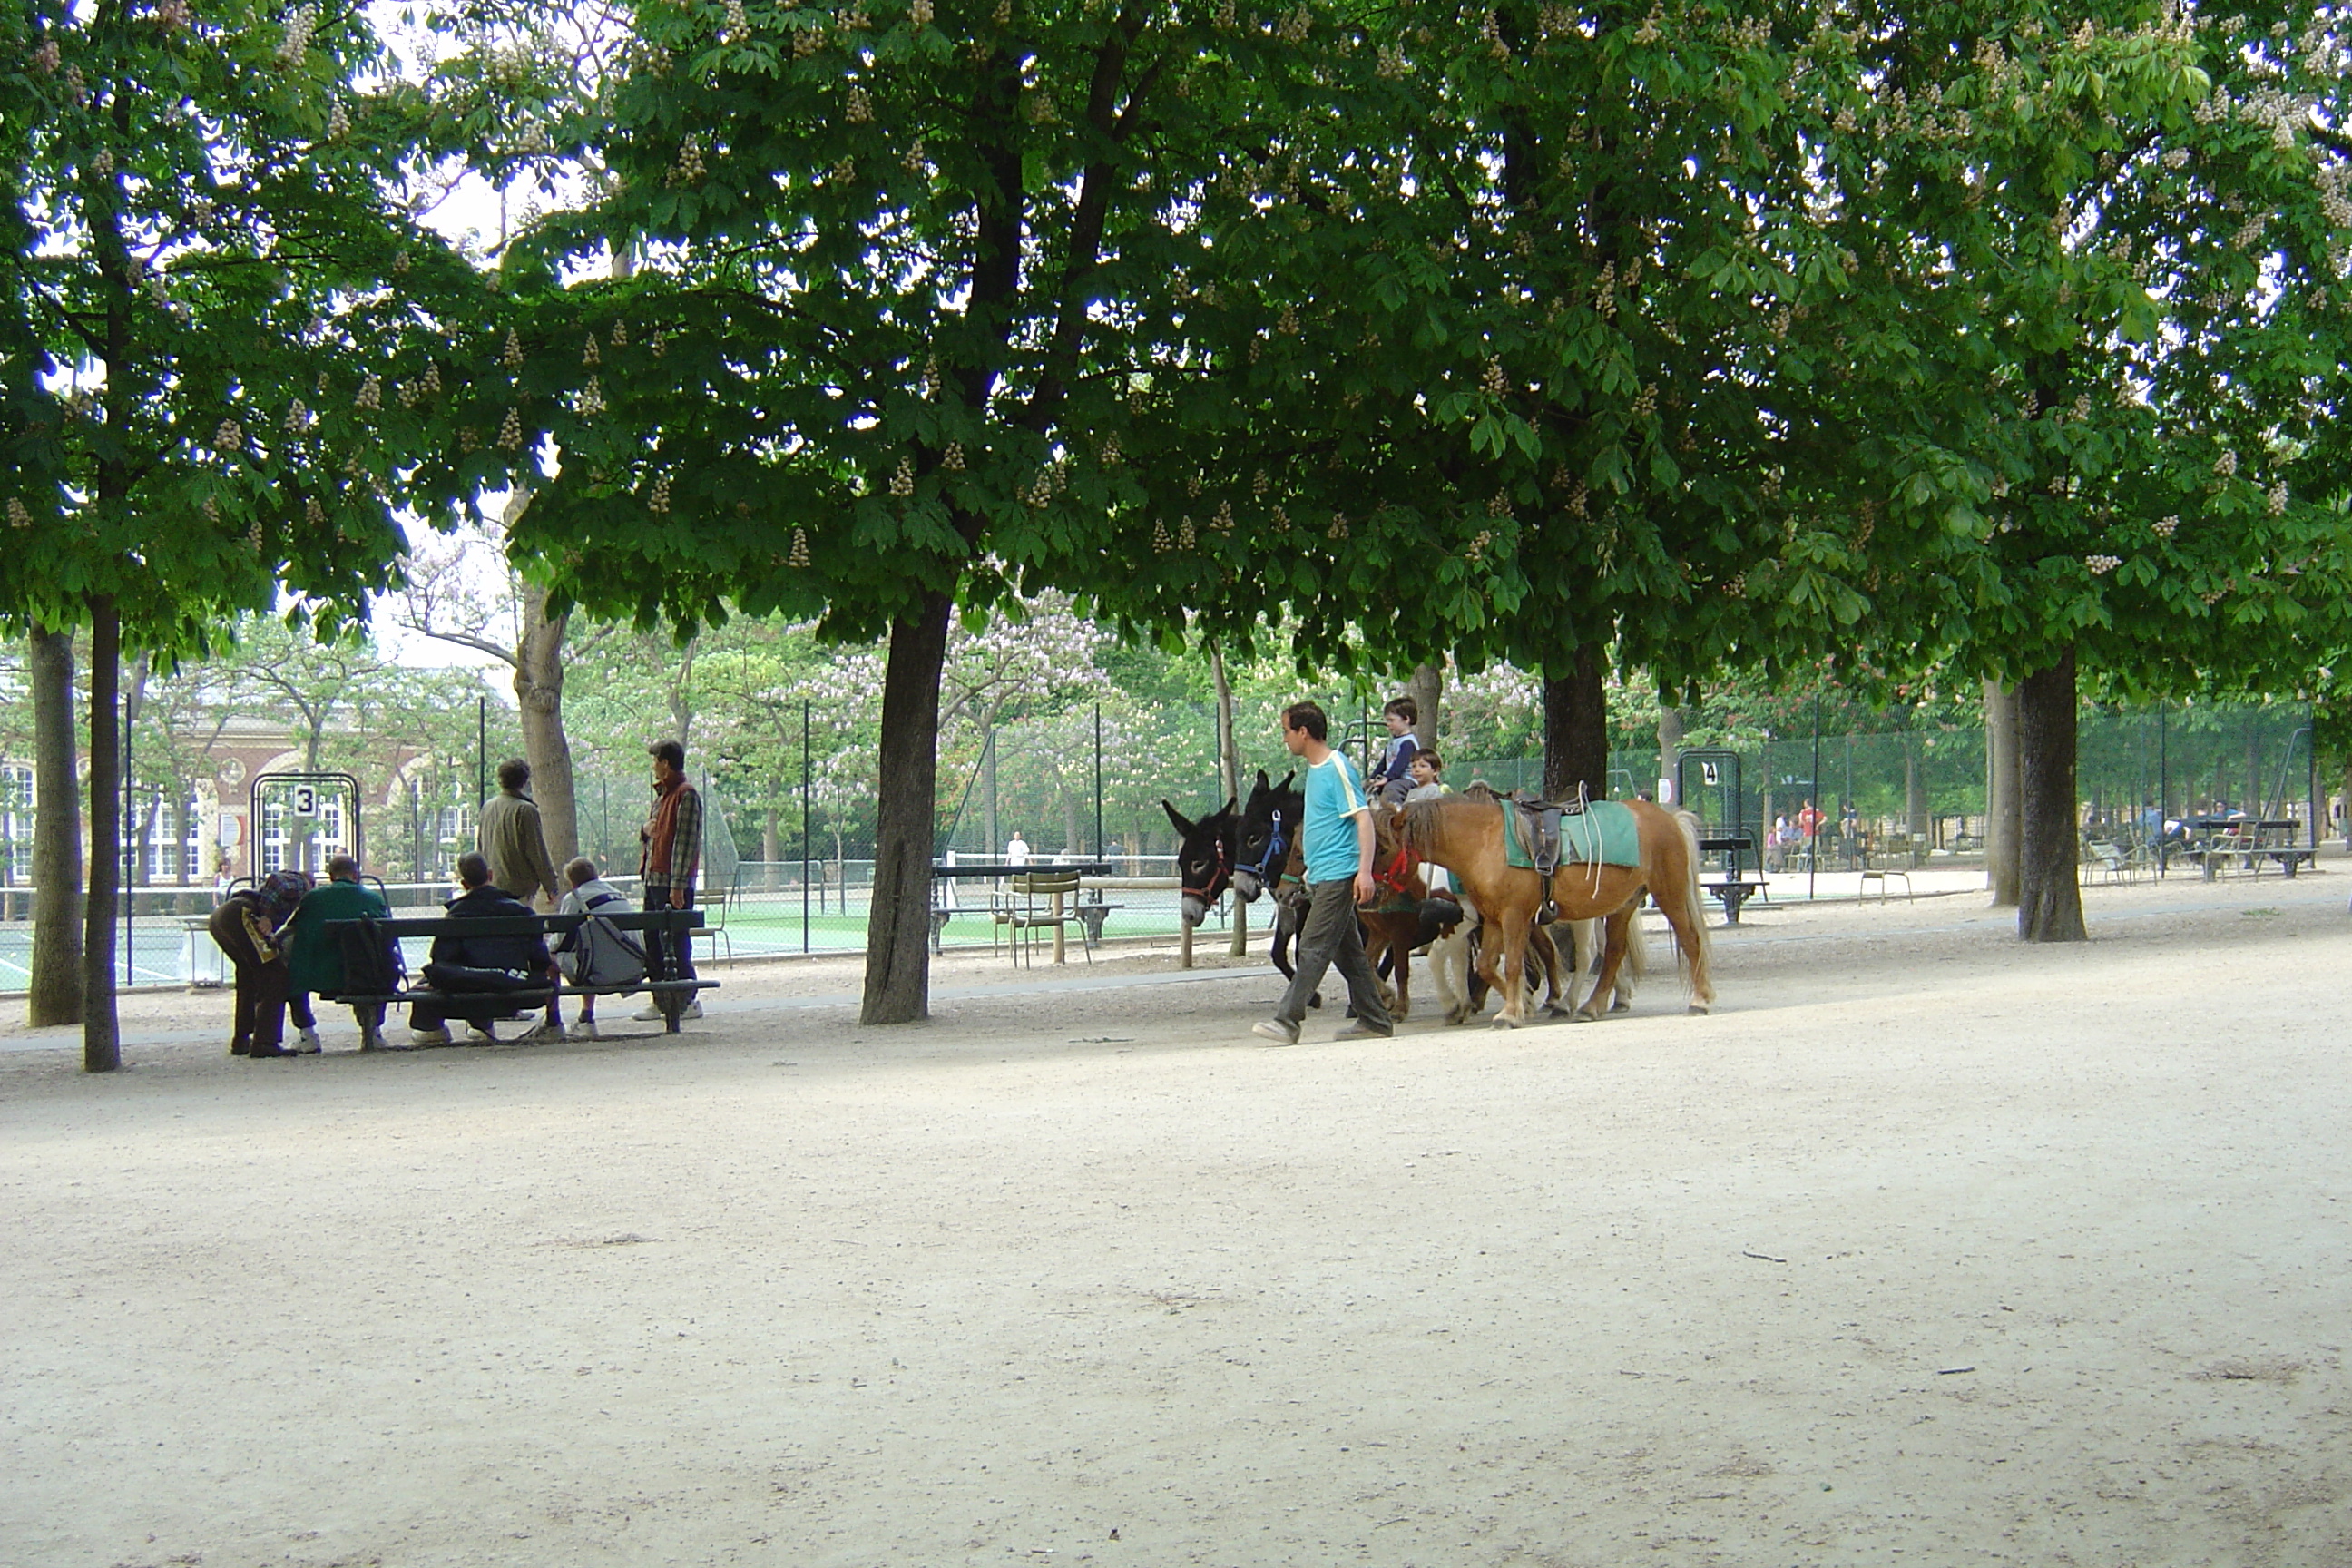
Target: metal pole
[1814, 823]
[481, 751]
[2311, 783]
[2163, 789]
[804, 824]
[131, 842]
[1098, 811]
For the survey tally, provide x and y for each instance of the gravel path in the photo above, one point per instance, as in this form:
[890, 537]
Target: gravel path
[1927, 1247]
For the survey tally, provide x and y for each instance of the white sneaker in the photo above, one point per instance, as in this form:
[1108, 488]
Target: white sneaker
[585, 1029]
[306, 1043]
[481, 1035]
[652, 1011]
[691, 1010]
[439, 1037]
[537, 1034]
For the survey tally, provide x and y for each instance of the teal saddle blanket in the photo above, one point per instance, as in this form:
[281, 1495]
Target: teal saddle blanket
[1603, 832]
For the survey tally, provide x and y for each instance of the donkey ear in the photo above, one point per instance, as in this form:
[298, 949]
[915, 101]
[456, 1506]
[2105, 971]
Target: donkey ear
[1184, 827]
[1227, 809]
[1261, 779]
[1284, 787]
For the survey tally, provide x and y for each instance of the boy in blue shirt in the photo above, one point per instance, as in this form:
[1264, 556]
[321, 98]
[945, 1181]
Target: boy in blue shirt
[1394, 779]
[1335, 833]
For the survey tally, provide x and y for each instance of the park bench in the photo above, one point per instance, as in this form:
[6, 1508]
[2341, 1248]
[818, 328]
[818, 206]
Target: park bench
[2216, 843]
[1735, 887]
[671, 995]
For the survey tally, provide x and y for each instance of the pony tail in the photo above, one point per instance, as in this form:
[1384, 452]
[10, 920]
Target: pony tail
[1689, 824]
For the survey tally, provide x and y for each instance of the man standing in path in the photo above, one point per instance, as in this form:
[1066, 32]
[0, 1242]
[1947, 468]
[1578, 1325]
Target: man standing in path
[513, 842]
[673, 840]
[1336, 833]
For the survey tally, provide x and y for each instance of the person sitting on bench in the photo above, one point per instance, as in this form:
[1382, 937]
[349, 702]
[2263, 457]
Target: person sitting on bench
[493, 968]
[598, 952]
[316, 963]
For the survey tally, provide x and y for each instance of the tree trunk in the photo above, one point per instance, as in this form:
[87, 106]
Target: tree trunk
[899, 929]
[1576, 729]
[539, 691]
[55, 986]
[1427, 690]
[1671, 730]
[2001, 784]
[2050, 896]
[1229, 762]
[101, 1037]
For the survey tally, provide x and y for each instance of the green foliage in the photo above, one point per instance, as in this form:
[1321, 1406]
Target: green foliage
[211, 283]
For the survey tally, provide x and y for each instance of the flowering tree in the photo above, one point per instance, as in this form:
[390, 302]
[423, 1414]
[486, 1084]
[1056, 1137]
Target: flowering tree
[903, 295]
[208, 271]
[2128, 422]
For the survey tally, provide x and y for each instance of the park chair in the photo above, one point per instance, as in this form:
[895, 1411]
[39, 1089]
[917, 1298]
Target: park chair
[715, 902]
[1040, 901]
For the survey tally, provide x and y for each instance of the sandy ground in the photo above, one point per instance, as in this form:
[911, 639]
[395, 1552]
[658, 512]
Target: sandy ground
[1927, 1249]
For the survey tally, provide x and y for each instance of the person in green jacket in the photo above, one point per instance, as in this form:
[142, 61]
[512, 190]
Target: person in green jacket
[316, 958]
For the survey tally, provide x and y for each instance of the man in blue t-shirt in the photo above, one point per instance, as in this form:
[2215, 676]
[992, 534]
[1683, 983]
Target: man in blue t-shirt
[1335, 833]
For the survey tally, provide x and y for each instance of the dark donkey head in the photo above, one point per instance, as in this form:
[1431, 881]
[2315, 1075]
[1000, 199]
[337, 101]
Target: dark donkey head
[1204, 857]
[1269, 830]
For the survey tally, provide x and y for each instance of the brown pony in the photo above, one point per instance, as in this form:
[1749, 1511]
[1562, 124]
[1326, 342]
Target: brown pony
[1463, 833]
[1392, 931]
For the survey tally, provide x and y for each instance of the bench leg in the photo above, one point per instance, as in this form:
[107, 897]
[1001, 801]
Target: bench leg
[673, 1003]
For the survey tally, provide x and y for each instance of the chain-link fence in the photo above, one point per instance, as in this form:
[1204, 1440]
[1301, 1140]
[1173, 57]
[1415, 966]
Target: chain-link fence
[788, 857]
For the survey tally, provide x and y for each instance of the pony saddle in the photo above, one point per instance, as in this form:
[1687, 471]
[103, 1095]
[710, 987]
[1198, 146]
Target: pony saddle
[1538, 825]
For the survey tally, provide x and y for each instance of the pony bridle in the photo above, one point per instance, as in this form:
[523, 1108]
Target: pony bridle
[1399, 869]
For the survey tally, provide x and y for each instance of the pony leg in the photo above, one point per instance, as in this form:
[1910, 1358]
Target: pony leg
[1512, 924]
[1612, 955]
[1637, 962]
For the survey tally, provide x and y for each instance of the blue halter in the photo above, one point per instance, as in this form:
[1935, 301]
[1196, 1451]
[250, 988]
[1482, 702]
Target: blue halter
[1278, 851]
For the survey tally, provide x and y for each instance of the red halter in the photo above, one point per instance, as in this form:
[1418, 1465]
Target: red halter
[1216, 880]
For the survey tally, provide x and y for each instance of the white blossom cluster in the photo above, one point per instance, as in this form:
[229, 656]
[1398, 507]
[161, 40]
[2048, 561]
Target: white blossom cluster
[2166, 527]
[902, 477]
[2101, 565]
[657, 501]
[299, 26]
[2274, 500]
[17, 516]
[800, 552]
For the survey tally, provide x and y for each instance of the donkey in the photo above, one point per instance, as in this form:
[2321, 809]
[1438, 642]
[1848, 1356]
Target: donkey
[1204, 857]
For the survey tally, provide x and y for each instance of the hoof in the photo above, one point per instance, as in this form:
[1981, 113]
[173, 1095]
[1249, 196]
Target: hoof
[1702, 1009]
[1458, 1015]
[1587, 1016]
[1505, 1021]
[1554, 1010]
[1621, 1006]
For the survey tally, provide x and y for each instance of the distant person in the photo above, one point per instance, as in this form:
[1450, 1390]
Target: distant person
[1335, 832]
[513, 840]
[1016, 852]
[479, 976]
[597, 953]
[316, 957]
[1393, 779]
[246, 927]
[673, 853]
